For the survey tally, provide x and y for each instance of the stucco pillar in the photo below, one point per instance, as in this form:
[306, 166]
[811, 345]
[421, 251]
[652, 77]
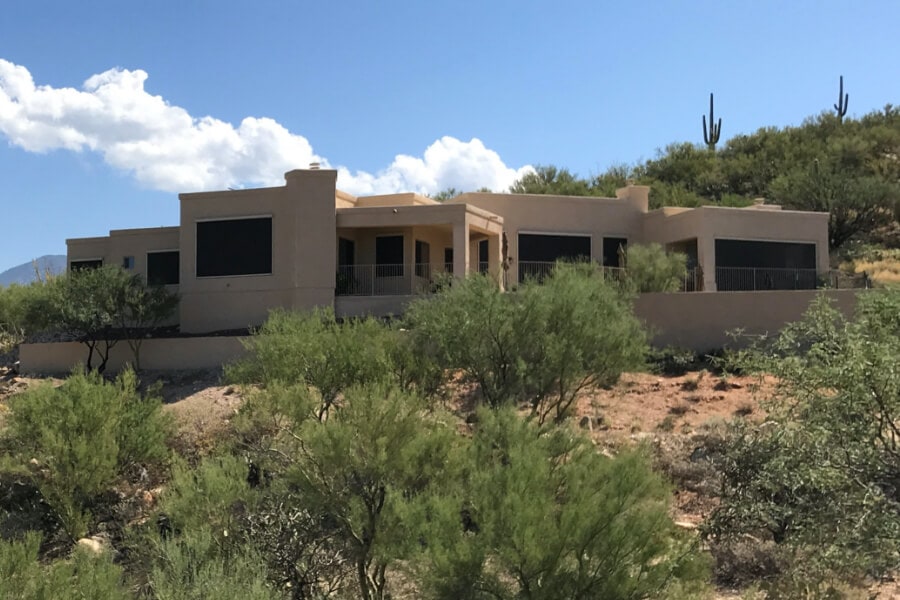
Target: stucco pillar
[706, 256]
[494, 258]
[461, 248]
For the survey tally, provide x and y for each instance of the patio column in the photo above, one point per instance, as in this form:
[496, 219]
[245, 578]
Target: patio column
[706, 257]
[461, 248]
[494, 259]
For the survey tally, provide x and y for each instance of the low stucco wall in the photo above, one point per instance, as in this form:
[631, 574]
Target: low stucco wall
[164, 354]
[695, 321]
[701, 321]
[371, 306]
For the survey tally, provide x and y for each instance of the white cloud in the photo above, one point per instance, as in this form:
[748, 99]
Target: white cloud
[165, 148]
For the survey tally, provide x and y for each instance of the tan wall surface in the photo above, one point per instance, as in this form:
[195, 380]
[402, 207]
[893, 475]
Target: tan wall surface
[156, 354]
[701, 321]
[87, 249]
[696, 321]
[371, 306]
[596, 217]
[709, 223]
[304, 252]
[125, 242]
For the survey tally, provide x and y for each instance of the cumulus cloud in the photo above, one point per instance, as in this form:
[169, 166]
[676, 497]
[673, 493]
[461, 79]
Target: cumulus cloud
[165, 148]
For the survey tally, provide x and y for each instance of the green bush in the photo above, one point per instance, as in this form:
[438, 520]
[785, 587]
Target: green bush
[22, 312]
[362, 469]
[543, 344]
[316, 350]
[545, 516]
[649, 268]
[99, 307]
[83, 576]
[819, 478]
[205, 496]
[83, 435]
[194, 567]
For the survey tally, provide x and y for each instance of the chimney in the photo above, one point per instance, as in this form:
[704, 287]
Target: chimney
[314, 166]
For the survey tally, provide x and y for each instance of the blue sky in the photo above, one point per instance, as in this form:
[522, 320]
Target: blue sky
[108, 109]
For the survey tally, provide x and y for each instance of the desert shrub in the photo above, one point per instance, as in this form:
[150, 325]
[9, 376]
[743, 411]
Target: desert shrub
[22, 311]
[209, 495]
[543, 344]
[820, 476]
[82, 576]
[316, 350]
[745, 561]
[361, 470]
[672, 362]
[651, 269]
[99, 307]
[82, 436]
[195, 567]
[302, 551]
[542, 515]
[412, 367]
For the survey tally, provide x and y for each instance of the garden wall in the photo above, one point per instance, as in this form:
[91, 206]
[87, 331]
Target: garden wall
[164, 354]
[700, 321]
[697, 321]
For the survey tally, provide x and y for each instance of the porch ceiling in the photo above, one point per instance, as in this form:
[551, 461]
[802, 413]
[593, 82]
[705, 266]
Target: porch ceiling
[413, 216]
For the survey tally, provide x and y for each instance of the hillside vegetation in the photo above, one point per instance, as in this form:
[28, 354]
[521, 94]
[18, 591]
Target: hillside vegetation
[849, 167]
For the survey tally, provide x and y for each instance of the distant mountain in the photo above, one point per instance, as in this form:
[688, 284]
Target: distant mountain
[55, 263]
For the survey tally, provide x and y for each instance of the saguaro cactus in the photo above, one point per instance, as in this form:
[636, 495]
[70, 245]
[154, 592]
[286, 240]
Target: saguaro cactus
[711, 136]
[843, 101]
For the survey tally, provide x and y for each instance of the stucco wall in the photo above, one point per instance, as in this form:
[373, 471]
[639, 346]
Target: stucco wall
[709, 223]
[303, 253]
[124, 242]
[696, 321]
[701, 321]
[156, 354]
[594, 217]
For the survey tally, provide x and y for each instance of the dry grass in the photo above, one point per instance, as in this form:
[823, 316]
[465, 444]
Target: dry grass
[882, 266]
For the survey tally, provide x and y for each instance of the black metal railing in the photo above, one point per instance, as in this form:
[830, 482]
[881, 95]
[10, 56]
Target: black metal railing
[399, 280]
[383, 280]
[751, 279]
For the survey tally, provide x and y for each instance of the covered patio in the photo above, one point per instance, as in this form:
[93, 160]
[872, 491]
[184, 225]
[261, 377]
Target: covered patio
[408, 250]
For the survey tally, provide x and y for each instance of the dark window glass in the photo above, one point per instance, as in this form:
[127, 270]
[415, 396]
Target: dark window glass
[346, 252]
[550, 248]
[483, 256]
[389, 250]
[448, 260]
[234, 247]
[423, 258]
[750, 265]
[78, 265]
[163, 268]
[769, 255]
[611, 250]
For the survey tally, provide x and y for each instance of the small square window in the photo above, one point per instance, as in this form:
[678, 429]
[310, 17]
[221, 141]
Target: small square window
[128, 262]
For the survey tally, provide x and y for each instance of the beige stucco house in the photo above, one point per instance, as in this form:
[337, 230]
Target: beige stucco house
[239, 253]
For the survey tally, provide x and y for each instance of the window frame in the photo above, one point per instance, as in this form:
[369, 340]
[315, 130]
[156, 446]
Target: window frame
[85, 260]
[169, 250]
[197, 222]
[401, 272]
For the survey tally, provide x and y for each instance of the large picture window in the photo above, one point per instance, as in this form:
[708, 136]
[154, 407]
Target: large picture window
[163, 267]
[538, 252]
[234, 247]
